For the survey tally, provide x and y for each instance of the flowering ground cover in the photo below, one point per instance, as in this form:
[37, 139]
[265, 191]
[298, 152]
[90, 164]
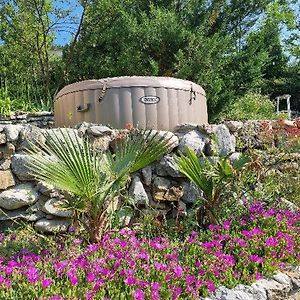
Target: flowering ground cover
[126, 265]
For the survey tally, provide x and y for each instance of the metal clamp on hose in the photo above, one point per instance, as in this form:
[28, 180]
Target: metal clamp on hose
[82, 108]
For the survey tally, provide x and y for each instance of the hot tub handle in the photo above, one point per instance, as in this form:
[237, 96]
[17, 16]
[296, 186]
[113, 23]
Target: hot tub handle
[82, 108]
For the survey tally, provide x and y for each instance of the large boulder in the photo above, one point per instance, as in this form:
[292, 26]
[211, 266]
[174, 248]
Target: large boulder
[241, 292]
[167, 167]
[19, 165]
[190, 193]
[195, 140]
[18, 196]
[6, 179]
[137, 192]
[275, 289]
[52, 226]
[226, 141]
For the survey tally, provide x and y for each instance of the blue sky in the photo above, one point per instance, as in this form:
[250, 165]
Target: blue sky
[64, 34]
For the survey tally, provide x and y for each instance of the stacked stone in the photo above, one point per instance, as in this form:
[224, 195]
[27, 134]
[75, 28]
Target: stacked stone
[281, 286]
[158, 189]
[42, 119]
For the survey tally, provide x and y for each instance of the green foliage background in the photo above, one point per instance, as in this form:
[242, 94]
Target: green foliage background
[231, 48]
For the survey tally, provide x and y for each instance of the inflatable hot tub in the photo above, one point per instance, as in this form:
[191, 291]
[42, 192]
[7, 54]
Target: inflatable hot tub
[145, 102]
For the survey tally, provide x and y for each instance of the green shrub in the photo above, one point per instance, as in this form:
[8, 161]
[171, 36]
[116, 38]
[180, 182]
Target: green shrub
[252, 106]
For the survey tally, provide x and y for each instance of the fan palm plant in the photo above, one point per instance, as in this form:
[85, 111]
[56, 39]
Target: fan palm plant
[211, 178]
[94, 179]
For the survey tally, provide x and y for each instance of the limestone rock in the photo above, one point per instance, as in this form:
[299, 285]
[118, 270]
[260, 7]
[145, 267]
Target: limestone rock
[52, 226]
[137, 192]
[253, 293]
[283, 279]
[31, 136]
[181, 209]
[186, 127]
[172, 139]
[163, 191]
[22, 214]
[18, 196]
[147, 175]
[101, 143]
[161, 183]
[12, 132]
[99, 130]
[234, 126]
[223, 293]
[157, 205]
[19, 165]
[275, 290]
[195, 140]
[2, 138]
[7, 150]
[55, 207]
[167, 167]
[235, 156]
[82, 128]
[226, 142]
[58, 133]
[190, 193]
[5, 164]
[45, 189]
[125, 216]
[6, 179]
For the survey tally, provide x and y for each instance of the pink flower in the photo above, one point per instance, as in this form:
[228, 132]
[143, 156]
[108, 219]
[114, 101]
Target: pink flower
[46, 283]
[90, 277]
[178, 271]
[56, 297]
[155, 286]
[130, 281]
[138, 295]
[176, 291]
[256, 259]
[271, 242]
[211, 287]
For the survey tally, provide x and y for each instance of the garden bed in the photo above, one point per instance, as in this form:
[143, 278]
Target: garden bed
[126, 264]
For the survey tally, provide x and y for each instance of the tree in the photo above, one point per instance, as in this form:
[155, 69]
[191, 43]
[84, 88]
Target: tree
[27, 32]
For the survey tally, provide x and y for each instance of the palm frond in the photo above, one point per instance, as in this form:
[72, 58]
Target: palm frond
[137, 150]
[67, 163]
[189, 165]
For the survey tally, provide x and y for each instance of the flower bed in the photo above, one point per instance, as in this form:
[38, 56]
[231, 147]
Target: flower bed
[125, 265]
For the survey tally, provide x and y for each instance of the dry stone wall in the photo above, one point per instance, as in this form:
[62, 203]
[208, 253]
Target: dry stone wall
[158, 188]
[42, 119]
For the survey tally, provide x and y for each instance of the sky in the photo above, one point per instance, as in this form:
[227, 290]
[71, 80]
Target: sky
[65, 31]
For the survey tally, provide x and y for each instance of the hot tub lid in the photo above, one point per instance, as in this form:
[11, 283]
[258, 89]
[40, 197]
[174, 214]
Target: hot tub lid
[131, 81]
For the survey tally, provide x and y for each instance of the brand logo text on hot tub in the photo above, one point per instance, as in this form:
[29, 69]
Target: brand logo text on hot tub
[149, 99]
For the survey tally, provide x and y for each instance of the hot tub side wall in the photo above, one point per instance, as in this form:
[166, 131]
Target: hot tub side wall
[121, 106]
